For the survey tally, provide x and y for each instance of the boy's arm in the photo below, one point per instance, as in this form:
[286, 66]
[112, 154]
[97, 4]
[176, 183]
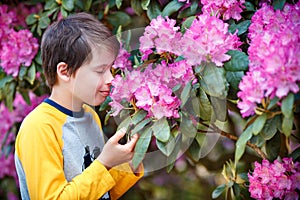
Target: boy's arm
[39, 151]
[125, 178]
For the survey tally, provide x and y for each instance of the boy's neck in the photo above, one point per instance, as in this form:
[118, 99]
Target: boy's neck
[65, 99]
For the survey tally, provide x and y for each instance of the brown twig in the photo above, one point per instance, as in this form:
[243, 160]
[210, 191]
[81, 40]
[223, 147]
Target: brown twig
[234, 138]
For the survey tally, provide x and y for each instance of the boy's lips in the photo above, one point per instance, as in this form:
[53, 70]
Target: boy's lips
[105, 93]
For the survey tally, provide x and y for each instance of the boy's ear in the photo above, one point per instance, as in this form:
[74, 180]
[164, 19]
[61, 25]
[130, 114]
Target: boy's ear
[62, 71]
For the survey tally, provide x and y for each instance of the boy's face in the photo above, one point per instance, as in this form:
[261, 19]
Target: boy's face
[91, 82]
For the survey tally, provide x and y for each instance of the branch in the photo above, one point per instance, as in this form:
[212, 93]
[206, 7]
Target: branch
[235, 138]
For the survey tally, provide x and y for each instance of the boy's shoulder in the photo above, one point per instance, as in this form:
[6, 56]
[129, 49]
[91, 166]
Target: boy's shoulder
[43, 114]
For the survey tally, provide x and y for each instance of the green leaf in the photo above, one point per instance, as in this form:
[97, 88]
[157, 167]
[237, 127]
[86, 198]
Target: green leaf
[185, 94]
[136, 6]
[187, 127]
[31, 19]
[141, 146]
[220, 108]
[287, 105]
[119, 3]
[244, 176]
[171, 8]
[258, 140]
[287, 125]
[87, 4]
[22, 72]
[195, 150]
[145, 4]
[161, 129]
[270, 128]
[189, 11]
[249, 6]
[153, 10]
[242, 27]
[236, 189]
[273, 102]
[204, 105]
[44, 22]
[50, 5]
[31, 74]
[273, 147]
[176, 87]
[278, 4]
[138, 116]
[104, 105]
[166, 147]
[213, 81]
[187, 23]
[25, 96]
[119, 18]
[234, 79]
[140, 126]
[107, 116]
[125, 123]
[296, 154]
[38, 58]
[241, 143]
[259, 123]
[64, 12]
[10, 90]
[68, 4]
[50, 12]
[174, 155]
[218, 191]
[239, 61]
[5, 80]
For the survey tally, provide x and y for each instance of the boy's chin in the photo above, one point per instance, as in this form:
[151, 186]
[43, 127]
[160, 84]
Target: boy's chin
[96, 103]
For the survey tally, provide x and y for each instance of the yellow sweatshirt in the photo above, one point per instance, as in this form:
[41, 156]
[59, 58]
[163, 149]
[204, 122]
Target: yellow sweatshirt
[55, 157]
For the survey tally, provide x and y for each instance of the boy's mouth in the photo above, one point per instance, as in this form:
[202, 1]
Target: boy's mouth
[105, 92]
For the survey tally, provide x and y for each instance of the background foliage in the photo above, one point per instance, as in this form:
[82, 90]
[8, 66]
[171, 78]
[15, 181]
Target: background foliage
[271, 132]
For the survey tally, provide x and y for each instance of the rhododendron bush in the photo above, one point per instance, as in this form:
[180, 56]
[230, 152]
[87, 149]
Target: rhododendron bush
[199, 72]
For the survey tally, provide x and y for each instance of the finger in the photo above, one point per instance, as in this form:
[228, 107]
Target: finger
[118, 135]
[130, 145]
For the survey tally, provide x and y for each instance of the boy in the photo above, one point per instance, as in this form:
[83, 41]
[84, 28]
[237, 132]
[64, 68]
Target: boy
[60, 150]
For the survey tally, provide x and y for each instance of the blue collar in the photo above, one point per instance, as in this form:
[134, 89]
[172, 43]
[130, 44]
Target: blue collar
[64, 110]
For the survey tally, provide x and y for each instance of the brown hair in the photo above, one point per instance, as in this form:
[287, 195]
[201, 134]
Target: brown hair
[70, 40]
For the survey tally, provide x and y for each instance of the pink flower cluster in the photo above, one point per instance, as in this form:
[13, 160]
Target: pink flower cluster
[122, 61]
[275, 180]
[151, 90]
[274, 56]
[16, 47]
[208, 40]
[162, 35]
[224, 8]
[7, 136]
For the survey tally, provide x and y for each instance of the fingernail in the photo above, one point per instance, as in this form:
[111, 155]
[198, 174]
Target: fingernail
[123, 129]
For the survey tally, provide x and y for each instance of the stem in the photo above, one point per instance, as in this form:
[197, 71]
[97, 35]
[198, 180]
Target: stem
[235, 138]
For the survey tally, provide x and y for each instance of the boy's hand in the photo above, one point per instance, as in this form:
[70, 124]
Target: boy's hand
[114, 153]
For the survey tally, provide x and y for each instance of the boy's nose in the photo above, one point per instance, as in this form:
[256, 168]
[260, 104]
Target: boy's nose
[109, 77]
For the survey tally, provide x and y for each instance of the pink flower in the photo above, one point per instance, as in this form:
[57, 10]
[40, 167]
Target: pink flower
[122, 61]
[208, 40]
[274, 180]
[151, 90]
[224, 8]
[274, 54]
[8, 166]
[161, 35]
[7, 18]
[16, 49]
